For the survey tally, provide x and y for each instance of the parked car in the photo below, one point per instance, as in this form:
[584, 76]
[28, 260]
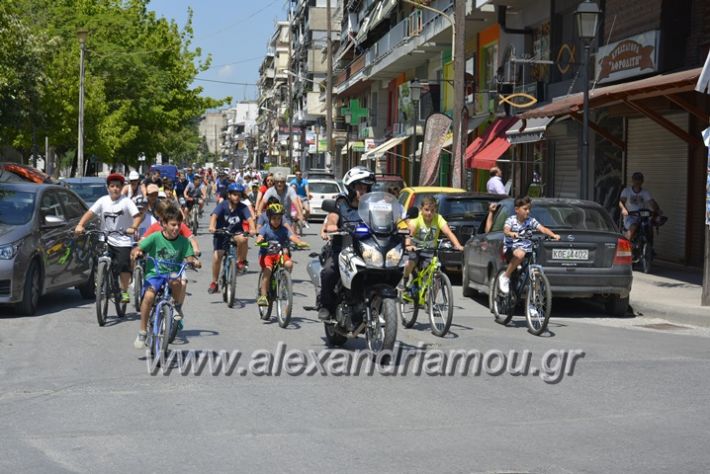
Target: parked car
[413, 196]
[591, 260]
[466, 215]
[89, 188]
[17, 173]
[39, 252]
[385, 182]
[322, 189]
[315, 173]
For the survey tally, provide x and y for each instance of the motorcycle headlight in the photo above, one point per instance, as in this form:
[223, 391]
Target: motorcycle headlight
[8, 252]
[393, 257]
[370, 255]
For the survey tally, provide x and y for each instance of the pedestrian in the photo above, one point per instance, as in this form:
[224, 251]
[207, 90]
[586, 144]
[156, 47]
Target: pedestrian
[495, 182]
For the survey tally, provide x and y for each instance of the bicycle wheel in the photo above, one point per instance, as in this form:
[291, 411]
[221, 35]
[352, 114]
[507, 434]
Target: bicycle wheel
[502, 305]
[223, 278]
[102, 292]
[161, 340]
[193, 218]
[120, 307]
[284, 297]
[231, 282]
[137, 286]
[441, 304]
[264, 311]
[408, 307]
[538, 303]
[646, 257]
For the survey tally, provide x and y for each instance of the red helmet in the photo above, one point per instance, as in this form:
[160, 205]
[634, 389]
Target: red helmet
[116, 177]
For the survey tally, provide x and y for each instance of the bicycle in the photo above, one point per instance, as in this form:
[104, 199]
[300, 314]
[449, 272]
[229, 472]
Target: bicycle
[194, 216]
[528, 280]
[161, 328]
[138, 277]
[642, 243]
[228, 272]
[280, 289]
[430, 288]
[107, 285]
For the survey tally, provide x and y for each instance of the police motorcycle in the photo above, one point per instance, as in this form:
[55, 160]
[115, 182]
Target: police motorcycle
[371, 264]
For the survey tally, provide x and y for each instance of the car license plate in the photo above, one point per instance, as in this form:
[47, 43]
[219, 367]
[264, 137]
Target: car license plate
[570, 254]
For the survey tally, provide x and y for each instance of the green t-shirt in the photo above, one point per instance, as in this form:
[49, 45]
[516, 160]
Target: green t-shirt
[157, 246]
[428, 233]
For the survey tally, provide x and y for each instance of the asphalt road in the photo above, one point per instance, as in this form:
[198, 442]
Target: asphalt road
[75, 397]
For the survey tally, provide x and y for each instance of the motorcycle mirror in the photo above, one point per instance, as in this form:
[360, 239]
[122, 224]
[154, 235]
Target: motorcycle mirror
[328, 205]
[413, 212]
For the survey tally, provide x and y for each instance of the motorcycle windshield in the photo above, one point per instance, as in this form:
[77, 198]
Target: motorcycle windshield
[380, 212]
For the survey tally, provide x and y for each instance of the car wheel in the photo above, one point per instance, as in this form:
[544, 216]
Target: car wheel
[468, 292]
[617, 306]
[31, 291]
[87, 290]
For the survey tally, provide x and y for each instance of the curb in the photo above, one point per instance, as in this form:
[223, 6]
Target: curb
[695, 316]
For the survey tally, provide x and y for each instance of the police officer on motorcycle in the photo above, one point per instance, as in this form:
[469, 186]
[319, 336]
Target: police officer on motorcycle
[358, 181]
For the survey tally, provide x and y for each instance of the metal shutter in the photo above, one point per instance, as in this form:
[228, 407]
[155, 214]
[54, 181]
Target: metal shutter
[663, 159]
[564, 137]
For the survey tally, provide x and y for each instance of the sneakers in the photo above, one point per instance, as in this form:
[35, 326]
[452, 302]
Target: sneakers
[305, 224]
[401, 287]
[242, 266]
[125, 297]
[504, 283]
[179, 325]
[323, 314]
[139, 343]
[178, 313]
[534, 314]
[213, 288]
[262, 301]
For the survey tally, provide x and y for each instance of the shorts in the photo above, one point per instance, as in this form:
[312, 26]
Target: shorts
[631, 220]
[154, 282]
[270, 260]
[121, 257]
[220, 242]
[509, 253]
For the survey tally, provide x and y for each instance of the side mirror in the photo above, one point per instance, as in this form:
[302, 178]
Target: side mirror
[54, 221]
[413, 212]
[329, 205]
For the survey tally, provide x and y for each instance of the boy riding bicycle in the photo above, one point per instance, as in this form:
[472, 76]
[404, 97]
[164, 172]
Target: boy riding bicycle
[425, 229]
[117, 213]
[515, 244]
[274, 230]
[167, 245]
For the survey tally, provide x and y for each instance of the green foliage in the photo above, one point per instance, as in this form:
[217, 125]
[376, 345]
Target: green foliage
[138, 74]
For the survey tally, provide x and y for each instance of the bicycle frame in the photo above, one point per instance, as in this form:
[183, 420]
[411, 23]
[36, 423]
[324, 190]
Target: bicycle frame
[164, 294]
[424, 278]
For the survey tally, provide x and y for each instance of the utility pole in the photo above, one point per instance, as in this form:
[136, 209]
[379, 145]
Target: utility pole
[460, 128]
[290, 89]
[81, 34]
[329, 91]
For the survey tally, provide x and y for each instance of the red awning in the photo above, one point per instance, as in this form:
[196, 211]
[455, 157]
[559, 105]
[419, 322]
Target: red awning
[483, 152]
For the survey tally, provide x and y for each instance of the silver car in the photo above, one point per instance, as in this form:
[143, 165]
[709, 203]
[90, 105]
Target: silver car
[322, 189]
[39, 252]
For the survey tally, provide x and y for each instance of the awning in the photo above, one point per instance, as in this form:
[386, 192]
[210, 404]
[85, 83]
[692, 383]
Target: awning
[362, 31]
[477, 155]
[528, 130]
[660, 85]
[473, 124]
[357, 147]
[382, 149]
[381, 12]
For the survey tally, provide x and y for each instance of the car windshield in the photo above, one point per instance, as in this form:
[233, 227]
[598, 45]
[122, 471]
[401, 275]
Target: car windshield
[386, 185]
[88, 192]
[563, 216]
[380, 211]
[16, 207]
[324, 188]
[466, 208]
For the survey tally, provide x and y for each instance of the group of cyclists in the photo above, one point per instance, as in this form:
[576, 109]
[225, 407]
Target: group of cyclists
[147, 218]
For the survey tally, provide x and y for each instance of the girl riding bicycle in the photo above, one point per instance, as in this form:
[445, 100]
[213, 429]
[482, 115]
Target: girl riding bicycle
[425, 229]
[274, 230]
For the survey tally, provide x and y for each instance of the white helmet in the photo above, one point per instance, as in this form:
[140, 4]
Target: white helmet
[359, 174]
[133, 176]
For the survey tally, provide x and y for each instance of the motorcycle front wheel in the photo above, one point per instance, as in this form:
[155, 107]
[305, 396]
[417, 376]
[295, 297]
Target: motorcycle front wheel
[381, 329]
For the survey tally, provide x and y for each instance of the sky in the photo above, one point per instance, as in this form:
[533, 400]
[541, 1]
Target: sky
[235, 32]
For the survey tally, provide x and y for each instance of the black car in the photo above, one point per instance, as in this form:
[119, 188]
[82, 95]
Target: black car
[466, 215]
[39, 252]
[89, 188]
[592, 259]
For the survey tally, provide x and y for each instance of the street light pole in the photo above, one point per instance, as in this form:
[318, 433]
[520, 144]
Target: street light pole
[329, 90]
[415, 89]
[81, 35]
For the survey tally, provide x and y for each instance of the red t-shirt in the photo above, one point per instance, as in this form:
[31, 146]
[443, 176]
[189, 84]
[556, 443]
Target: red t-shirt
[157, 227]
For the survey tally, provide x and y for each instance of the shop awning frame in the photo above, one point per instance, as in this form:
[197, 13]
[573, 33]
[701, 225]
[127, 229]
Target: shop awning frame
[528, 130]
[382, 149]
[630, 94]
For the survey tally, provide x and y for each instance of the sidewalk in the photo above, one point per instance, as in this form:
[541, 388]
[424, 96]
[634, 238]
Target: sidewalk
[671, 294]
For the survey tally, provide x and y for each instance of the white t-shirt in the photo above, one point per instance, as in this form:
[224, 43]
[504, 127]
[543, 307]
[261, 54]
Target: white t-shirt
[636, 201]
[116, 215]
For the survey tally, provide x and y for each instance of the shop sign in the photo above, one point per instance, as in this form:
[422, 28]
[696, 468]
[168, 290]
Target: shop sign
[628, 58]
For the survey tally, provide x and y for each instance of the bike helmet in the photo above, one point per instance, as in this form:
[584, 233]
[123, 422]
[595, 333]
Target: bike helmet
[140, 202]
[358, 174]
[275, 209]
[115, 177]
[235, 188]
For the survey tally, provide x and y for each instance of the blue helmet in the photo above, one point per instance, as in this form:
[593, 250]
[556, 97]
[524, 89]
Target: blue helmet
[235, 188]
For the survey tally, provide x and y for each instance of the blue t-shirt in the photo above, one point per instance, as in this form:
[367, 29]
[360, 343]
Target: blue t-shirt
[300, 188]
[231, 219]
[523, 230]
[281, 235]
